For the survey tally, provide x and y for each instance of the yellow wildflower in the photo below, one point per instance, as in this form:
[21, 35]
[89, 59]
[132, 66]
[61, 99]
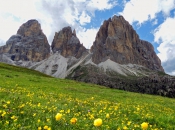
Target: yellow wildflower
[3, 114]
[34, 114]
[39, 128]
[125, 128]
[107, 116]
[22, 112]
[91, 117]
[68, 111]
[39, 104]
[5, 106]
[58, 116]
[8, 102]
[144, 125]
[19, 125]
[13, 117]
[129, 122]
[22, 105]
[98, 122]
[61, 111]
[7, 122]
[46, 127]
[73, 120]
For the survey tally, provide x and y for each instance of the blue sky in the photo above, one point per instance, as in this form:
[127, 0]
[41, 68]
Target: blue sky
[153, 20]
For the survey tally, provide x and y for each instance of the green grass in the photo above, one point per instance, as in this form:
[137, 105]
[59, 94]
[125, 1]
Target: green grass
[30, 100]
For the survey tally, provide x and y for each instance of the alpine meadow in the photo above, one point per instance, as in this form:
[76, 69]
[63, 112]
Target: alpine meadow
[87, 65]
[30, 100]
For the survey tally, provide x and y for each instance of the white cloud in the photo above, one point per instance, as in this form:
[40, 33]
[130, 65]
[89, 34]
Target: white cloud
[84, 18]
[173, 73]
[101, 4]
[14, 13]
[1, 42]
[8, 27]
[79, 0]
[52, 14]
[142, 10]
[169, 66]
[20, 9]
[165, 36]
[165, 32]
[86, 36]
[167, 6]
[155, 22]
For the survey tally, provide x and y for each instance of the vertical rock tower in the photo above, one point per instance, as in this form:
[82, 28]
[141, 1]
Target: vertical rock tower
[118, 41]
[67, 43]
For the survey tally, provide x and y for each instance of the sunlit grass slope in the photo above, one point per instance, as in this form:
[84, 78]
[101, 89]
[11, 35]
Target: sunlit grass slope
[30, 100]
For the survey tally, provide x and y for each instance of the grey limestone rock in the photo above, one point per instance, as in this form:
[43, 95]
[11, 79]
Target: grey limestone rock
[29, 44]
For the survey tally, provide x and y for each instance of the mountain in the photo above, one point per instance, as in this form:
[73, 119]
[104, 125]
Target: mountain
[67, 43]
[118, 41]
[29, 44]
[117, 58]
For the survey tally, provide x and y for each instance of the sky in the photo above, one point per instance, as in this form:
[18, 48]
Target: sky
[153, 20]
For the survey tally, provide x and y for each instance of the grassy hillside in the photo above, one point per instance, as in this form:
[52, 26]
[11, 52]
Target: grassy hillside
[30, 100]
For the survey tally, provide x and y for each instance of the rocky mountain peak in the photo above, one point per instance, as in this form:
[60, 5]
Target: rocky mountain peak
[118, 41]
[74, 33]
[31, 27]
[29, 44]
[67, 43]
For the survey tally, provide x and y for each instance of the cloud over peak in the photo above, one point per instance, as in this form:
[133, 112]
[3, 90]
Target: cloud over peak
[164, 35]
[143, 10]
[52, 14]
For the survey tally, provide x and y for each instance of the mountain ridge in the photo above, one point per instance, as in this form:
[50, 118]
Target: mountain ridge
[117, 58]
[115, 40]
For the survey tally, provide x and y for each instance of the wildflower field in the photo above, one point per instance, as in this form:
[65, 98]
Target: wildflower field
[30, 100]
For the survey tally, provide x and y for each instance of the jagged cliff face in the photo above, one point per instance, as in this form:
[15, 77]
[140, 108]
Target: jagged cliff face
[29, 44]
[118, 41]
[67, 43]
